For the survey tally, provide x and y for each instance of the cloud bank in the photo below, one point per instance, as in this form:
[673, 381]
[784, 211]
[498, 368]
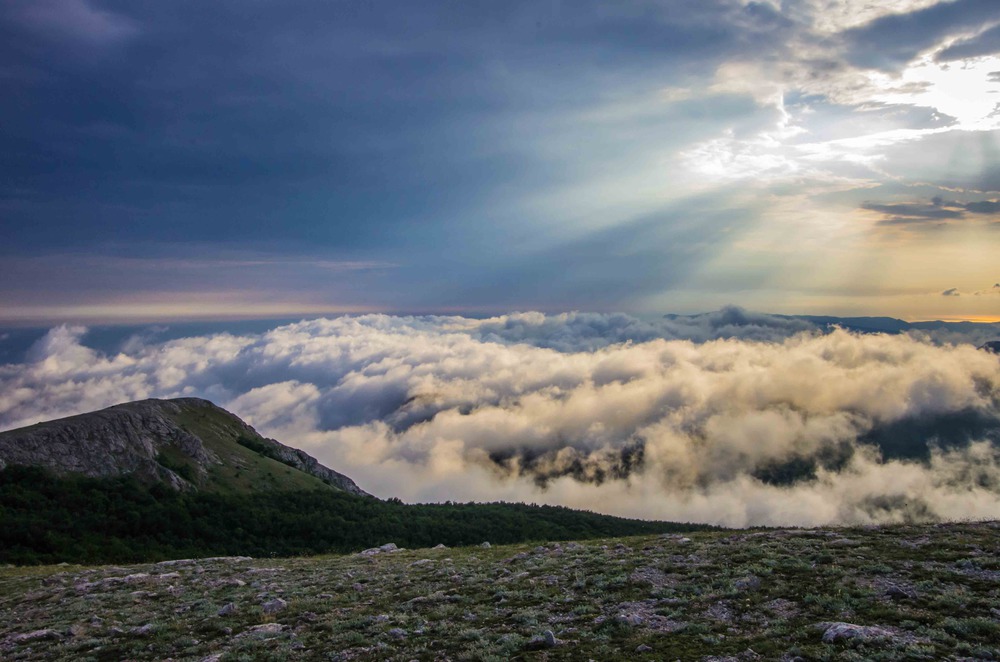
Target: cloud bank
[732, 418]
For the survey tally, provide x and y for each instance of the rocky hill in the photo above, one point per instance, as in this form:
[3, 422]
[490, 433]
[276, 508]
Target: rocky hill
[186, 443]
[873, 593]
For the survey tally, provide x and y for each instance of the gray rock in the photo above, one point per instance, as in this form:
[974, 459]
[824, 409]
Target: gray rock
[143, 630]
[440, 546]
[748, 583]
[389, 547]
[485, 545]
[545, 640]
[37, 635]
[265, 630]
[643, 648]
[397, 633]
[228, 608]
[274, 606]
[833, 632]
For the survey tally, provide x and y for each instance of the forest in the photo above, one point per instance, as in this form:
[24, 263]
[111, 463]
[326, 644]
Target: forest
[50, 519]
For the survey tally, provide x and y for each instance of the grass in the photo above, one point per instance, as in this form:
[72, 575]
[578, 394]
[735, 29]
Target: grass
[721, 593]
[243, 469]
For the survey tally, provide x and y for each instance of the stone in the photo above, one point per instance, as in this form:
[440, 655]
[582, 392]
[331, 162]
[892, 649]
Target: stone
[440, 546]
[643, 648]
[485, 545]
[834, 632]
[37, 635]
[397, 633]
[143, 630]
[545, 640]
[265, 630]
[274, 606]
[228, 608]
[389, 547]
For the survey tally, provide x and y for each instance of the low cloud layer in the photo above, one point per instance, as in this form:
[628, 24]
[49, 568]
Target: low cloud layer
[732, 418]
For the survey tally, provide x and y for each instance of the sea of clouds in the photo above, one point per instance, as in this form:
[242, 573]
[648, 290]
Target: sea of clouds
[730, 418]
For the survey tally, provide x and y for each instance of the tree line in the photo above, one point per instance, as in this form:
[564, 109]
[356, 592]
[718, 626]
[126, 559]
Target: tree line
[49, 519]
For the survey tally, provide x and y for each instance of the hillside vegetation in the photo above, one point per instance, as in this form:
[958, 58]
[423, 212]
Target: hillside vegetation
[50, 519]
[879, 593]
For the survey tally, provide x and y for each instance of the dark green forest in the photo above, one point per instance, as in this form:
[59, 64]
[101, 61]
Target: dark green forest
[50, 519]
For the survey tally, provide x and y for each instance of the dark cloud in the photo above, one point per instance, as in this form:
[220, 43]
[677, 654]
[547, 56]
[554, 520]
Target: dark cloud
[983, 207]
[915, 211]
[892, 41]
[935, 215]
[985, 43]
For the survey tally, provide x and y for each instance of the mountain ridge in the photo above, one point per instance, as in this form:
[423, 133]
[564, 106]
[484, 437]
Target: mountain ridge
[184, 443]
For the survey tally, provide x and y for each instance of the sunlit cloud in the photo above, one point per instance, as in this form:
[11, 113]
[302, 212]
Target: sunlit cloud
[735, 417]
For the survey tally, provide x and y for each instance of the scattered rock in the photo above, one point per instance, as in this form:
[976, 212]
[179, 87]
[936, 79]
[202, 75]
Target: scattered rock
[833, 632]
[748, 583]
[265, 630]
[387, 548]
[136, 578]
[643, 648]
[397, 633]
[440, 546]
[228, 608]
[143, 630]
[274, 606]
[545, 640]
[485, 545]
[37, 635]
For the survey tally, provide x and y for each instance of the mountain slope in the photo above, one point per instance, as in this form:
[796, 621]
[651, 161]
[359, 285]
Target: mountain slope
[186, 443]
[868, 593]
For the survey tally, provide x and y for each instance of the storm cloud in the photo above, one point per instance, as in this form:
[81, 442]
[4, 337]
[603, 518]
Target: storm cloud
[743, 422]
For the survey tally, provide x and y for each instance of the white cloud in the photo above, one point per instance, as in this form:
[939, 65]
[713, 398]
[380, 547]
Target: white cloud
[604, 412]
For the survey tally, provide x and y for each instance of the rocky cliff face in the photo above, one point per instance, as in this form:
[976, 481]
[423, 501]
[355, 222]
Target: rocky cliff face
[186, 443]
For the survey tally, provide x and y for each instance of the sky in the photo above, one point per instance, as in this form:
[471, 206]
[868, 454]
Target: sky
[541, 251]
[213, 160]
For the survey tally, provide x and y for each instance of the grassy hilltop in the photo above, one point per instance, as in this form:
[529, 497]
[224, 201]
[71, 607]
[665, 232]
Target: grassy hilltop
[889, 593]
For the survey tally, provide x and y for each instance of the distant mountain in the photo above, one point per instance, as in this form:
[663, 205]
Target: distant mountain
[992, 346]
[886, 324]
[188, 444]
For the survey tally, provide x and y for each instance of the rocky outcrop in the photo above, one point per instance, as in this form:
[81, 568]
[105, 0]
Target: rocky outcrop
[992, 346]
[125, 439]
[149, 440]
